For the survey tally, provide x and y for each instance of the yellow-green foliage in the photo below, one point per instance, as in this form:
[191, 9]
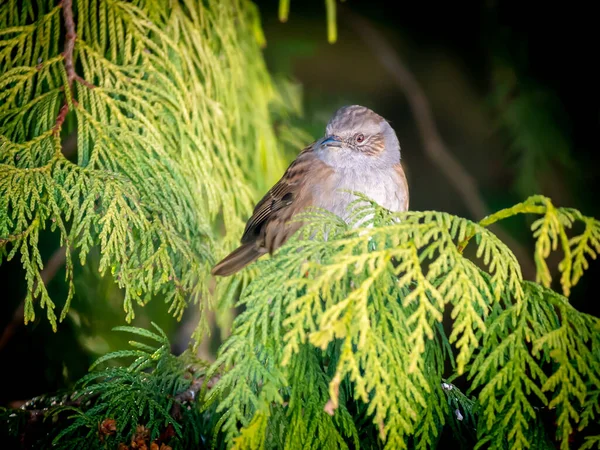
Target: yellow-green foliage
[171, 110]
[341, 340]
[361, 311]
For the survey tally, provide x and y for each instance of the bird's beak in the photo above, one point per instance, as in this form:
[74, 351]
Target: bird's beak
[331, 141]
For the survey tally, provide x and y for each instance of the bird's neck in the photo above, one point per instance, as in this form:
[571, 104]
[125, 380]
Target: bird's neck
[353, 161]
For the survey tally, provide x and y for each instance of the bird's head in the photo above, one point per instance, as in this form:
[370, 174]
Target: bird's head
[356, 136]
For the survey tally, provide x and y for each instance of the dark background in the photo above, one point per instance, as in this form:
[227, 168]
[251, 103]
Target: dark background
[513, 89]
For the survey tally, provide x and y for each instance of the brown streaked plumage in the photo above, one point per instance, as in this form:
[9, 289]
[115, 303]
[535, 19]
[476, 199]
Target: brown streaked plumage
[404, 185]
[359, 152]
[268, 228]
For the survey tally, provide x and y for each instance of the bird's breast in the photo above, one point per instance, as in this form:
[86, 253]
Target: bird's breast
[381, 185]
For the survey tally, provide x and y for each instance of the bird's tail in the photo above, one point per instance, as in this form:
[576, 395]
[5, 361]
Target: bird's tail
[237, 260]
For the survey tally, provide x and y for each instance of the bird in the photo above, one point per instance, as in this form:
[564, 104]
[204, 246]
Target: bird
[359, 152]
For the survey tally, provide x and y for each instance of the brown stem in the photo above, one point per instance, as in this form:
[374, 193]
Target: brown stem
[433, 144]
[60, 119]
[20, 235]
[40, 413]
[70, 37]
[48, 272]
[67, 8]
[190, 394]
[84, 82]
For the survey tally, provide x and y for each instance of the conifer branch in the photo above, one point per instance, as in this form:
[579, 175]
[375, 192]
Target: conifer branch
[521, 208]
[148, 142]
[378, 326]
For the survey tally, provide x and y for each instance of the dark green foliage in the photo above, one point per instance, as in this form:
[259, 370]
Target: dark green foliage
[153, 392]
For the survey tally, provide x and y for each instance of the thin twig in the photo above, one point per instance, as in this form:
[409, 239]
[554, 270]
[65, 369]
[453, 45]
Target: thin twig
[84, 82]
[190, 393]
[34, 407]
[500, 215]
[42, 412]
[60, 119]
[433, 144]
[67, 8]
[70, 37]
[47, 274]
[20, 235]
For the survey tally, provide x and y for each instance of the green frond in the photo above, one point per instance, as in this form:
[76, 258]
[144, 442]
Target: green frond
[550, 230]
[165, 105]
[508, 373]
[511, 369]
[156, 396]
[585, 245]
[591, 442]
[378, 294]
[575, 362]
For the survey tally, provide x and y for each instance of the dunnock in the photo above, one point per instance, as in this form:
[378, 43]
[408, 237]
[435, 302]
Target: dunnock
[359, 152]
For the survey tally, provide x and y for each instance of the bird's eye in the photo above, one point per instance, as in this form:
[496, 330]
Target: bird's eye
[359, 137]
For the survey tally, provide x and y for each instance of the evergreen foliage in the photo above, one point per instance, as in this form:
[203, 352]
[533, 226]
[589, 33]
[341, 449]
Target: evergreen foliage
[361, 310]
[349, 337]
[166, 104]
[117, 405]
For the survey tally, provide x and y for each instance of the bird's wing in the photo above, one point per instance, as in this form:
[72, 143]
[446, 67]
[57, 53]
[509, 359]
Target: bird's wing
[284, 199]
[403, 186]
